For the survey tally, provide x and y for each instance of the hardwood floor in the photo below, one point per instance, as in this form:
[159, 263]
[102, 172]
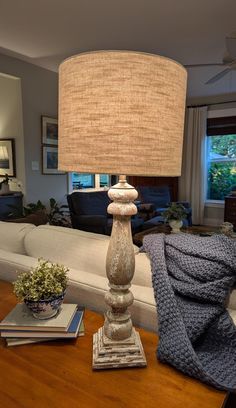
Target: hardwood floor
[59, 374]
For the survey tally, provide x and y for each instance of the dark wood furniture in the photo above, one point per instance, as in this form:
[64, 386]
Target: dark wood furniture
[230, 210]
[59, 374]
[15, 199]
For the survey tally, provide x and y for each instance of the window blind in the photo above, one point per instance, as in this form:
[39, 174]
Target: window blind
[221, 126]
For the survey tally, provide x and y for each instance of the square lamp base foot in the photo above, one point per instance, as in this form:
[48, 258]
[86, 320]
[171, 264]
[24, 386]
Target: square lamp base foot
[109, 353]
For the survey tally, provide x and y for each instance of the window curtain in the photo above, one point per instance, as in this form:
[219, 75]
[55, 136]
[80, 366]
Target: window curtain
[192, 183]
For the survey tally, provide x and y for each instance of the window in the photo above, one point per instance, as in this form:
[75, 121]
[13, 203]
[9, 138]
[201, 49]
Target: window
[104, 180]
[80, 180]
[221, 153]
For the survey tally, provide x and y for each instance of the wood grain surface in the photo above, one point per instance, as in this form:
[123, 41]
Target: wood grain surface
[59, 374]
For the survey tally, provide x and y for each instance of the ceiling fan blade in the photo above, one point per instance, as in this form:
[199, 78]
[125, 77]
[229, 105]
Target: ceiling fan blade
[218, 76]
[203, 65]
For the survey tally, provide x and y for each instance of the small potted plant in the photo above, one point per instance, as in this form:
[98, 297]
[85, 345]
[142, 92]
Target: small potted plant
[42, 288]
[174, 215]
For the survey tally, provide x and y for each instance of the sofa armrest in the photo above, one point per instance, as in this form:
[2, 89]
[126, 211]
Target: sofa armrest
[186, 204]
[146, 210]
[146, 207]
[159, 211]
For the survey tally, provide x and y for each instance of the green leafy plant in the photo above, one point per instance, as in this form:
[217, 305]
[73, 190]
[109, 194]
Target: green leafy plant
[44, 281]
[222, 166]
[175, 211]
[32, 208]
[56, 214]
[221, 179]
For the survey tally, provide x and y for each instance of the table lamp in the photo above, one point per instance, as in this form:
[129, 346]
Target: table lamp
[121, 112]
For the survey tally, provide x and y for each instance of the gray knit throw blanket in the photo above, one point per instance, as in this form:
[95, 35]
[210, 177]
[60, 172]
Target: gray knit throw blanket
[192, 278]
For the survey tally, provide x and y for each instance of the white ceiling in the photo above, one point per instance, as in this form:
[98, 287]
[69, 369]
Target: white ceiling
[44, 32]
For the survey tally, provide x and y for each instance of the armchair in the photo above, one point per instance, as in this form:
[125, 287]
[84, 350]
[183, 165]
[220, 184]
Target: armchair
[157, 199]
[88, 212]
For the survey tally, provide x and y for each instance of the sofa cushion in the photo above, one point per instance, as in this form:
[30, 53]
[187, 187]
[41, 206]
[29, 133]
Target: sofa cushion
[12, 236]
[90, 203]
[158, 195]
[89, 290]
[80, 250]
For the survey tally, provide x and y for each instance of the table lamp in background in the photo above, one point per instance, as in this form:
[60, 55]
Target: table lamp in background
[121, 112]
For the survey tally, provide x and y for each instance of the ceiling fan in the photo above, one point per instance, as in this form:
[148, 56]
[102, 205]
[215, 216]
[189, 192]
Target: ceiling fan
[229, 59]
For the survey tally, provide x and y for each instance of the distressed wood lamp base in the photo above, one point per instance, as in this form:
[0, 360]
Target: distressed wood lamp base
[117, 344]
[109, 353]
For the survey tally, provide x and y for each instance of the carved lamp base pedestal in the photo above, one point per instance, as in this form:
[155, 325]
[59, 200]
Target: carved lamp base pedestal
[117, 344]
[109, 353]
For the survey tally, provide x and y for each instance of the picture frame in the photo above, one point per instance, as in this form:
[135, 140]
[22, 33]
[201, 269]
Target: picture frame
[50, 160]
[7, 157]
[49, 130]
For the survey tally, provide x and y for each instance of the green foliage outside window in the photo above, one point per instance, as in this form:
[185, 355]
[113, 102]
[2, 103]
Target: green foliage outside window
[222, 166]
[221, 178]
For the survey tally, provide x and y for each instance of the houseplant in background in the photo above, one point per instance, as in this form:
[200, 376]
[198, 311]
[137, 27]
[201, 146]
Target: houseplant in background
[174, 215]
[42, 289]
[58, 214]
[38, 214]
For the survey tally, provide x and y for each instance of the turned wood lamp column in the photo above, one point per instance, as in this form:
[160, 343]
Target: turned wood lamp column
[120, 262]
[121, 112]
[118, 344]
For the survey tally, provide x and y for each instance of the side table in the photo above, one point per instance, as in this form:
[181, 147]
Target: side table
[59, 374]
[230, 210]
[165, 228]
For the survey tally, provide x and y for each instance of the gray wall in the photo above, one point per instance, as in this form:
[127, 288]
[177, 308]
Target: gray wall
[11, 123]
[39, 97]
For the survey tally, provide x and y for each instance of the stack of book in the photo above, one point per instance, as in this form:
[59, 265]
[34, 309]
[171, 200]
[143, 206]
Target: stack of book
[20, 327]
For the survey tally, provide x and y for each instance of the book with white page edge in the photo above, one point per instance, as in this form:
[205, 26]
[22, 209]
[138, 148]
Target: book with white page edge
[19, 341]
[21, 318]
[72, 331]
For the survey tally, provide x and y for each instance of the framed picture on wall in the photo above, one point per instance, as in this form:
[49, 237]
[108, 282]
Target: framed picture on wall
[7, 157]
[50, 160]
[49, 131]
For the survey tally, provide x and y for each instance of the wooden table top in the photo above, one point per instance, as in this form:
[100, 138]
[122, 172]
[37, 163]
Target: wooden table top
[165, 228]
[59, 374]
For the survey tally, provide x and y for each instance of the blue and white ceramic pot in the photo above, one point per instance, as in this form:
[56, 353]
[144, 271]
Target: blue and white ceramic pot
[47, 308]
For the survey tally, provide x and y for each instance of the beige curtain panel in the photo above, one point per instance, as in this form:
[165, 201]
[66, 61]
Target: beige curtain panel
[192, 183]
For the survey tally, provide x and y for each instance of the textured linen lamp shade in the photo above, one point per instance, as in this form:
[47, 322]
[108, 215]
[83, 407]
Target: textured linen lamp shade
[121, 112]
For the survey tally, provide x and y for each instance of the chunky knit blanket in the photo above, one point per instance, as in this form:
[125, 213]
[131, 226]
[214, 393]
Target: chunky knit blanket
[192, 278]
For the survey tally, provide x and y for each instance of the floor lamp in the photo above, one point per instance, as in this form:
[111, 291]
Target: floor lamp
[121, 112]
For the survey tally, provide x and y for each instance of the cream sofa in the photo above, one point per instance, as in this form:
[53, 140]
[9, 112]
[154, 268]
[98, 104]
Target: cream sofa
[85, 254]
